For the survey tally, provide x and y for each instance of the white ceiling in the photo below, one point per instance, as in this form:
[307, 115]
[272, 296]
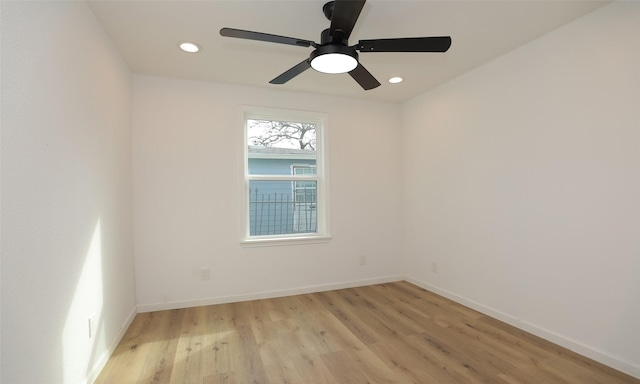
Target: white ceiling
[147, 34]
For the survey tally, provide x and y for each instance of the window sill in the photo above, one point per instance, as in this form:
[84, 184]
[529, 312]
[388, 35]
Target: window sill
[282, 241]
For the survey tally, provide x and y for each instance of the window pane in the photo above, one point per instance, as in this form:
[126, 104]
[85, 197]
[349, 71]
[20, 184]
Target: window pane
[304, 170]
[275, 146]
[282, 207]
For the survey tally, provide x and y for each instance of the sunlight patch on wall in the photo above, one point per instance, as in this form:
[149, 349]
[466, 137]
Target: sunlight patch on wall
[83, 335]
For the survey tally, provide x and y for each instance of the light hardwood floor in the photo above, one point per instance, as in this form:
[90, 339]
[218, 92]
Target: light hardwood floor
[388, 333]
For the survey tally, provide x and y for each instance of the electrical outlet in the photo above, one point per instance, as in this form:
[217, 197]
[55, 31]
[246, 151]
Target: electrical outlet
[434, 266]
[363, 259]
[205, 273]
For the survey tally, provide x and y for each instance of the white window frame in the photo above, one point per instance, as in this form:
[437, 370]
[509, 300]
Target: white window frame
[322, 184]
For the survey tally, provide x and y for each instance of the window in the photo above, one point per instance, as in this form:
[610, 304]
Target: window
[285, 182]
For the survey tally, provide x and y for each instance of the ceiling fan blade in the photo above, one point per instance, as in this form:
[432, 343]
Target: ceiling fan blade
[292, 72]
[250, 35]
[364, 78]
[408, 44]
[345, 15]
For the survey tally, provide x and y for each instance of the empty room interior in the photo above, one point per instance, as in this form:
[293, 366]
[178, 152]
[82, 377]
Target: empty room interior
[235, 215]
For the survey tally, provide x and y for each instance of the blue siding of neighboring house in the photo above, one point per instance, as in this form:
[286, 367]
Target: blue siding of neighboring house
[275, 166]
[271, 207]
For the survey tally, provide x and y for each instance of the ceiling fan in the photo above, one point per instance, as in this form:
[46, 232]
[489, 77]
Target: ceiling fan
[334, 54]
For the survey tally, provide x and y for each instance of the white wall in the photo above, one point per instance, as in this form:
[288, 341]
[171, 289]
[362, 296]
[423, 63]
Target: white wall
[187, 172]
[67, 248]
[522, 181]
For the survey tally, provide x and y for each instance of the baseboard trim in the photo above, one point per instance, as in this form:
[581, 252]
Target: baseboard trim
[553, 337]
[266, 295]
[99, 365]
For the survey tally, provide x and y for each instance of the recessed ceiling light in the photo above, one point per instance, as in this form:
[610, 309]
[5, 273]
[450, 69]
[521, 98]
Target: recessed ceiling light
[395, 80]
[190, 47]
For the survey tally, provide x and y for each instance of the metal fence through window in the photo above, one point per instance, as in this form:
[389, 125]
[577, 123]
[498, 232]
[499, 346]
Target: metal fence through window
[280, 213]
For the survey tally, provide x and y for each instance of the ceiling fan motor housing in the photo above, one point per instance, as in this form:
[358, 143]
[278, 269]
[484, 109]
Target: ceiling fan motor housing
[327, 38]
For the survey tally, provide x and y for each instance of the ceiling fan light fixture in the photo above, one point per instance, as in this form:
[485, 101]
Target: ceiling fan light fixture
[334, 63]
[334, 59]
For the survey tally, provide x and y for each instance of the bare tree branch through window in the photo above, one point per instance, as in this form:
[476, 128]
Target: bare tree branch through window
[283, 134]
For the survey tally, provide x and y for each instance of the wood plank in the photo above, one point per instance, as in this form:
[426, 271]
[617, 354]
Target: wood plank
[221, 378]
[313, 370]
[334, 303]
[345, 368]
